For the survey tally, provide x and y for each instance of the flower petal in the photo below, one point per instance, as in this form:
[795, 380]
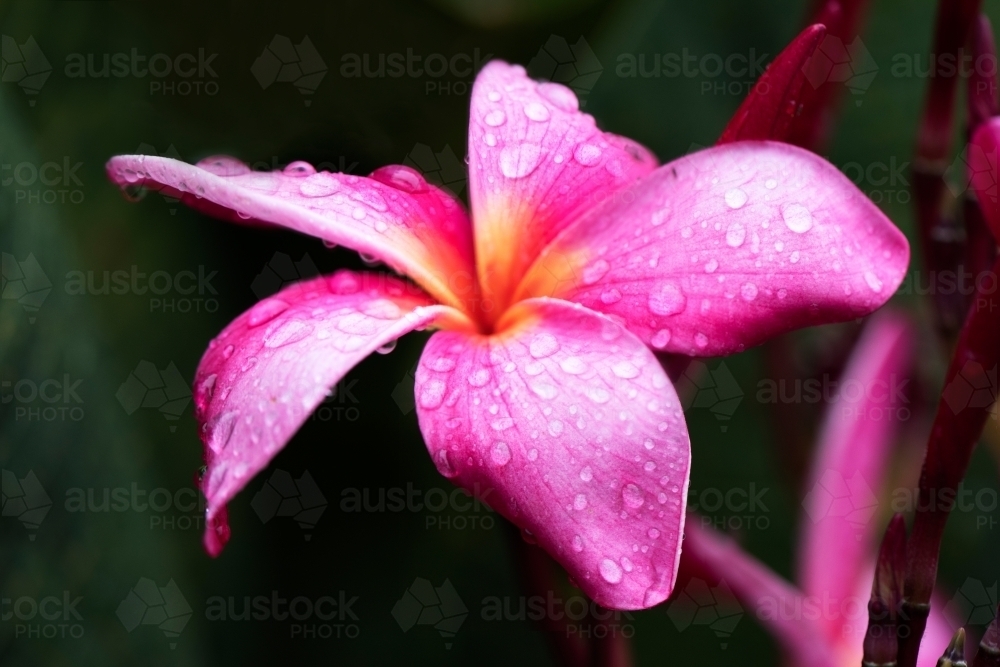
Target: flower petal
[274, 364]
[566, 424]
[772, 105]
[394, 214]
[536, 164]
[983, 167]
[726, 247]
[839, 530]
[709, 554]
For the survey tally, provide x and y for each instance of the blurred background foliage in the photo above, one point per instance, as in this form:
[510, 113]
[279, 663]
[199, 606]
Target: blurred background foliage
[357, 124]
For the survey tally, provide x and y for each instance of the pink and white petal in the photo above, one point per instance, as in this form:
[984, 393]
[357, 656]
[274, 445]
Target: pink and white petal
[393, 215]
[724, 248]
[565, 423]
[262, 377]
[536, 164]
[839, 528]
[984, 172]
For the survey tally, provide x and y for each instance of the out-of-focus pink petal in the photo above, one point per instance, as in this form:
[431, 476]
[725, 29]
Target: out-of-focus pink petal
[767, 597]
[938, 633]
[565, 423]
[270, 368]
[726, 247]
[536, 164]
[983, 163]
[394, 214]
[774, 101]
[839, 530]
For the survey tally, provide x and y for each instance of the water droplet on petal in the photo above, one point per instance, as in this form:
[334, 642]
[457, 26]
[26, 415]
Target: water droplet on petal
[500, 453]
[587, 154]
[431, 394]
[536, 111]
[493, 96]
[322, 184]
[299, 169]
[543, 345]
[735, 235]
[519, 160]
[625, 369]
[736, 198]
[632, 496]
[797, 218]
[223, 165]
[660, 339]
[667, 299]
[748, 291]
[266, 311]
[711, 266]
[495, 118]
[288, 332]
[577, 543]
[873, 282]
[479, 377]
[610, 571]
[573, 365]
[401, 177]
[610, 296]
[595, 271]
[228, 352]
[770, 184]
[555, 427]
[387, 348]
[580, 502]
[443, 463]
[560, 96]
[587, 474]
[701, 340]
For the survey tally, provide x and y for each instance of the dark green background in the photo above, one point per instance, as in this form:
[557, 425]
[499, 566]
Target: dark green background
[363, 123]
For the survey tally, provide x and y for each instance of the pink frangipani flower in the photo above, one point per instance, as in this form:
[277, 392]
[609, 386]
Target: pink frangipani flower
[582, 257]
[822, 621]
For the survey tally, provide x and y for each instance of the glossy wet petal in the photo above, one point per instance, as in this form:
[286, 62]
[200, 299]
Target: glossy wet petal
[566, 424]
[274, 364]
[393, 215]
[726, 247]
[536, 164]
